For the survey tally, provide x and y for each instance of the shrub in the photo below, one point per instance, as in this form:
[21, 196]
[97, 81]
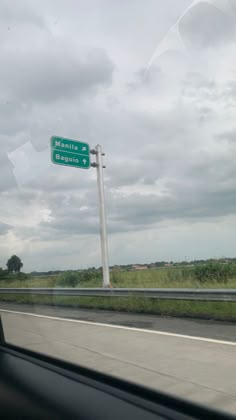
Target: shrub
[21, 276]
[73, 278]
[3, 274]
[69, 279]
[88, 275]
[213, 271]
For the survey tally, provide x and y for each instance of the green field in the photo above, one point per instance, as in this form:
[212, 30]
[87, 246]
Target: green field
[164, 277]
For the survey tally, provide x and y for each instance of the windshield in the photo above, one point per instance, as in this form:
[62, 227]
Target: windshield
[117, 186]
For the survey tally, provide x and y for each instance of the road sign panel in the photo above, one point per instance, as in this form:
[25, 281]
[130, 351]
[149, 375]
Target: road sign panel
[70, 159]
[70, 152]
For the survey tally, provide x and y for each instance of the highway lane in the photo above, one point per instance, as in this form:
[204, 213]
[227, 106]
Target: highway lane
[196, 327]
[196, 368]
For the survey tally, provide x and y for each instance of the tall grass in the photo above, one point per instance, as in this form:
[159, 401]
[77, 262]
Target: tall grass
[174, 277]
[163, 277]
[166, 277]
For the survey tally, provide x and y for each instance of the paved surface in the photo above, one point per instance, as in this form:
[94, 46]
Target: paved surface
[197, 369]
[201, 328]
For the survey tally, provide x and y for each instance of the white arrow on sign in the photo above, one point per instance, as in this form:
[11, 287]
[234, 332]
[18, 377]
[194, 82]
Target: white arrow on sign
[84, 161]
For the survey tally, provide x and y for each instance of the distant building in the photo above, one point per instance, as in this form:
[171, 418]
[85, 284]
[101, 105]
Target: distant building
[139, 267]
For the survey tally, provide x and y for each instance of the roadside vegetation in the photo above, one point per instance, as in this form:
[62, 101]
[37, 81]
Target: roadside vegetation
[208, 275]
[225, 311]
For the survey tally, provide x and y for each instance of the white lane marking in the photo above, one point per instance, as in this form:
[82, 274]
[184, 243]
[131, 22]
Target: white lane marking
[121, 327]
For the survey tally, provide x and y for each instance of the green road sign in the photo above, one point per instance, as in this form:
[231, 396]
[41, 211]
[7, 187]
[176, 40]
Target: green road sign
[70, 152]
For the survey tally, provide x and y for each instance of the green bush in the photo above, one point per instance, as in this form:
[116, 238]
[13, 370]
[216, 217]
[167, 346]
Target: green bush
[11, 277]
[213, 271]
[3, 274]
[88, 275]
[69, 279]
[21, 276]
[74, 278]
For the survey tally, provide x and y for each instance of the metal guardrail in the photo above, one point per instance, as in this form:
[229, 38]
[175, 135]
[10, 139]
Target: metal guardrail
[221, 295]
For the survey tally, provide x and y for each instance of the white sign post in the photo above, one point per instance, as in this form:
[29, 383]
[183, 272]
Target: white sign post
[102, 213]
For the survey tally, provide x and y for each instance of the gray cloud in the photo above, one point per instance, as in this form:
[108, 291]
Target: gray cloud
[66, 72]
[4, 228]
[14, 112]
[232, 5]
[204, 25]
[196, 80]
[232, 88]
[137, 211]
[228, 135]
[151, 80]
[23, 13]
[130, 171]
[7, 179]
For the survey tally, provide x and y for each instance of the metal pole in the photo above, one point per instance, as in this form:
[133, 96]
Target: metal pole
[102, 213]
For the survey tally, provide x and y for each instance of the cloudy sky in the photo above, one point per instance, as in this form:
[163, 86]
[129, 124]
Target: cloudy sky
[154, 83]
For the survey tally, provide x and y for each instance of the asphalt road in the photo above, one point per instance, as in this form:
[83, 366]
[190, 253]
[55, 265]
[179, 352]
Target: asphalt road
[192, 359]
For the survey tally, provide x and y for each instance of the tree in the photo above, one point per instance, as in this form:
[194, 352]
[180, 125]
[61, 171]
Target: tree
[14, 264]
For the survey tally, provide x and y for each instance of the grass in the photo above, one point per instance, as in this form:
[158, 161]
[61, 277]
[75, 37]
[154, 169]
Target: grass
[197, 309]
[166, 277]
[173, 277]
